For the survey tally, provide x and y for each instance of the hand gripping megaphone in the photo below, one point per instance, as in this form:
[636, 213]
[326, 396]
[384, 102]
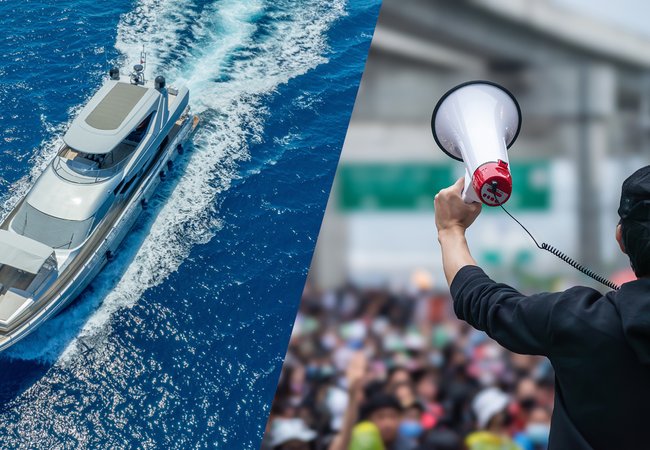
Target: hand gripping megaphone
[476, 122]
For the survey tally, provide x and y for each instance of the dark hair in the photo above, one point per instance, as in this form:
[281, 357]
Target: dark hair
[377, 402]
[396, 368]
[636, 240]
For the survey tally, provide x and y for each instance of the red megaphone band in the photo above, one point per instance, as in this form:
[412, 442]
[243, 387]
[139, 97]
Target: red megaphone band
[489, 176]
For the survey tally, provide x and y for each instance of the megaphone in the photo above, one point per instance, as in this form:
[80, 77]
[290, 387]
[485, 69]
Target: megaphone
[476, 122]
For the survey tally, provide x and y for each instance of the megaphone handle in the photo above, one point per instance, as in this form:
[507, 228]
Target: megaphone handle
[469, 195]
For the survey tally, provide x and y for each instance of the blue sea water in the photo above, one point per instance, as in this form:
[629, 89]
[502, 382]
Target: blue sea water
[178, 343]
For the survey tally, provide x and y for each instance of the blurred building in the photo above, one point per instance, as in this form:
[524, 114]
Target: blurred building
[583, 83]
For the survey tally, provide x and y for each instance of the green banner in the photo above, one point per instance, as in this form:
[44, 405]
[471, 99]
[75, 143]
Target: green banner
[412, 186]
[531, 185]
[391, 186]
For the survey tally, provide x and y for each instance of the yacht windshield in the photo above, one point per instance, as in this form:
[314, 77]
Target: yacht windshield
[53, 231]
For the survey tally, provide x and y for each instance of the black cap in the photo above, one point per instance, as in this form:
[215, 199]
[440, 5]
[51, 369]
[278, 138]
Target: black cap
[635, 196]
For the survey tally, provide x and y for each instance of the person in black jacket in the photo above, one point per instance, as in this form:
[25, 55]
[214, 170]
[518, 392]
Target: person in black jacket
[599, 345]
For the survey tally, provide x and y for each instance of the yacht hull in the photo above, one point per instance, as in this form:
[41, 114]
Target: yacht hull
[84, 270]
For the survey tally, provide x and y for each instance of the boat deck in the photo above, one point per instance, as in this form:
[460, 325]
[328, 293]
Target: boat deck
[10, 277]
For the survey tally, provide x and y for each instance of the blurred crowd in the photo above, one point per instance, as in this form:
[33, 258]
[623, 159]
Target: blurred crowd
[393, 369]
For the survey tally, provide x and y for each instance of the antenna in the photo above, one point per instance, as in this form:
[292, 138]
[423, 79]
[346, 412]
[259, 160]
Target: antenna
[143, 61]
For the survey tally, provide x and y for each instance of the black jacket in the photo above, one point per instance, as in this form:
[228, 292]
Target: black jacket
[599, 347]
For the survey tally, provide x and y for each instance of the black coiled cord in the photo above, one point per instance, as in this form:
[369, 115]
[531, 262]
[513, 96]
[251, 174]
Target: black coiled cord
[580, 267]
[549, 248]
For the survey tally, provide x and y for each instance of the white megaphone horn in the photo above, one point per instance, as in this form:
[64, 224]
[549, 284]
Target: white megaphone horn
[476, 122]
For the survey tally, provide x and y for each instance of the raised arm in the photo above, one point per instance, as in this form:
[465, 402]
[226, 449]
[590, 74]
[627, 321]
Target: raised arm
[453, 216]
[521, 323]
[502, 312]
[355, 376]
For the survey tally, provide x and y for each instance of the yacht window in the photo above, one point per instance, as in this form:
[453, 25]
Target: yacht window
[140, 131]
[52, 231]
[89, 163]
[118, 187]
[128, 184]
[164, 143]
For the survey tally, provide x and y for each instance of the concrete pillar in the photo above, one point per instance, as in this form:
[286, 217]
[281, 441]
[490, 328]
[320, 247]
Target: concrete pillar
[596, 104]
[329, 269]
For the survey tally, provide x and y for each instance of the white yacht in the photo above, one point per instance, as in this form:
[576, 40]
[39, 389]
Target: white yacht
[72, 221]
